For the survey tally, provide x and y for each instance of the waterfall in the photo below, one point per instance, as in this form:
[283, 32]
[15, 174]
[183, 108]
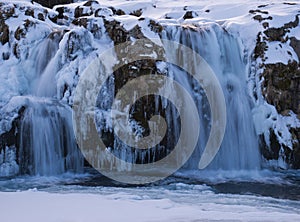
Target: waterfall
[47, 143]
[47, 65]
[239, 149]
[38, 61]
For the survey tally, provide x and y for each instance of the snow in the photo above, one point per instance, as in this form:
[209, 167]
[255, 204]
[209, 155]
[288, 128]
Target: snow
[122, 205]
[280, 52]
[18, 75]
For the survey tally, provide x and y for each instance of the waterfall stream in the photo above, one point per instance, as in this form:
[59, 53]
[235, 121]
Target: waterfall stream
[239, 149]
[47, 143]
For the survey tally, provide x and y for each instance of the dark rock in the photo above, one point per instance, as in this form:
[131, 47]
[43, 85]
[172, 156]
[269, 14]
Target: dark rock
[90, 3]
[80, 22]
[16, 50]
[41, 17]
[60, 11]
[6, 13]
[120, 12]
[155, 26]
[19, 33]
[292, 24]
[262, 6]
[190, 15]
[258, 11]
[289, 3]
[277, 34]
[115, 31]
[79, 12]
[4, 33]
[272, 152]
[292, 156]
[295, 44]
[295, 154]
[137, 13]
[260, 18]
[12, 137]
[5, 55]
[29, 12]
[265, 25]
[117, 11]
[281, 86]
[260, 47]
[102, 12]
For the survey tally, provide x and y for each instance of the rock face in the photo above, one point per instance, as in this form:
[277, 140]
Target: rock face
[280, 87]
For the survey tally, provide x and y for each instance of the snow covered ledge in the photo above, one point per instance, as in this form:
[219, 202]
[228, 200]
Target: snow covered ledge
[51, 3]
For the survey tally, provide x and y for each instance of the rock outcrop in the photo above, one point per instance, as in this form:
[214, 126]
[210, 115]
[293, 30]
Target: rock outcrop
[280, 85]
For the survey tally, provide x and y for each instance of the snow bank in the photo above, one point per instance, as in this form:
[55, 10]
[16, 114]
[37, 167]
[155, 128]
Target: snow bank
[77, 207]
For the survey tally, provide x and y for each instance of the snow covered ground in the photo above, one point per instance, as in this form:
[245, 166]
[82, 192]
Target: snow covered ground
[120, 204]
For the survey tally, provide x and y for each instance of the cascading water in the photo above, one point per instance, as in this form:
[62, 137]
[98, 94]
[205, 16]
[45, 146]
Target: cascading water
[222, 52]
[47, 142]
[49, 65]
[48, 146]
